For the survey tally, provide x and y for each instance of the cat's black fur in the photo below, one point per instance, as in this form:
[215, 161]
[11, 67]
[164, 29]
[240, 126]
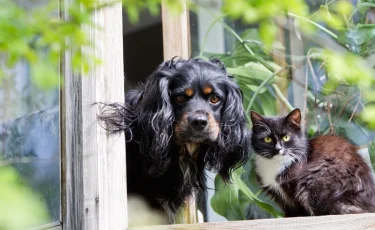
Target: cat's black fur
[322, 176]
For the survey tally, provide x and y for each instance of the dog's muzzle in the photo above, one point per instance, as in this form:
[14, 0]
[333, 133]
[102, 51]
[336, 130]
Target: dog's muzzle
[198, 120]
[197, 127]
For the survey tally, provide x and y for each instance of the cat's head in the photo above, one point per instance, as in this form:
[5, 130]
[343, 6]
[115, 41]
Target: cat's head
[281, 135]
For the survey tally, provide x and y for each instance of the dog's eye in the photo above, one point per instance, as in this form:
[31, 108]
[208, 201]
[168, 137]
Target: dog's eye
[180, 99]
[214, 99]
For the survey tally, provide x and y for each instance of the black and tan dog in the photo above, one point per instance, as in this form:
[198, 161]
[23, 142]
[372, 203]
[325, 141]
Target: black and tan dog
[186, 117]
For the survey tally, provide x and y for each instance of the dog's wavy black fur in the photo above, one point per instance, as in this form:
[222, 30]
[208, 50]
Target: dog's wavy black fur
[168, 113]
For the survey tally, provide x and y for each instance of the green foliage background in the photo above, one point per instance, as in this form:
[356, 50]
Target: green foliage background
[40, 36]
[20, 208]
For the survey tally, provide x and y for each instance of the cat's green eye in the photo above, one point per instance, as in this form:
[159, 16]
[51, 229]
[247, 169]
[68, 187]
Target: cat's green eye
[286, 138]
[267, 139]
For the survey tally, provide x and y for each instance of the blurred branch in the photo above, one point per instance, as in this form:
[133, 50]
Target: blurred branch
[208, 32]
[260, 88]
[315, 24]
[280, 95]
[344, 107]
[355, 108]
[331, 127]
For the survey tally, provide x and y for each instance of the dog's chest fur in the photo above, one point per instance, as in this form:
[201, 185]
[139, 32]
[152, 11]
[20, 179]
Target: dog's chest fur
[269, 172]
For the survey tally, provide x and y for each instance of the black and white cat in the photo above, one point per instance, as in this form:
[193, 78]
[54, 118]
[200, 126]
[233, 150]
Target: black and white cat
[322, 176]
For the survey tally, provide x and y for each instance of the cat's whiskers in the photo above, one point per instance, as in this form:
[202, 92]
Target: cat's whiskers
[265, 154]
[298, 157]
[295, 156]
[300, 152]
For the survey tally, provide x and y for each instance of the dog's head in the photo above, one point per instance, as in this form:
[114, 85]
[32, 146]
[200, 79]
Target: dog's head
[193, 103]
[198, 94]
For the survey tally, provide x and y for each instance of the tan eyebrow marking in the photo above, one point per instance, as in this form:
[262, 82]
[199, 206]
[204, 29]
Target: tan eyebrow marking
[189, 92]
[207, 89]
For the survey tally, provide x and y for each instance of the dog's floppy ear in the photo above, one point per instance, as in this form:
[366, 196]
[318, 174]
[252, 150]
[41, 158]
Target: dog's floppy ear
[156, 119]
[218, 63]
[234, 137]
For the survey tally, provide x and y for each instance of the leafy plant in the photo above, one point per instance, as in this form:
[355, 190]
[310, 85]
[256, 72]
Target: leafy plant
[338, 86]
[20, 208]
[237, 201]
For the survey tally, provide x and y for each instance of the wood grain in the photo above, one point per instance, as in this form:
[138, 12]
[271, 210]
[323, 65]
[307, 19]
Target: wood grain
[51, 226]
[342, 222]
[93, 161]
[176, 32]
[176, 42]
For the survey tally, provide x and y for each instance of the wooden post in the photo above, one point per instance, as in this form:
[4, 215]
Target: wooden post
[93, 162]
[176, 42]
[176, 32]
[297, 49]
[279, 57]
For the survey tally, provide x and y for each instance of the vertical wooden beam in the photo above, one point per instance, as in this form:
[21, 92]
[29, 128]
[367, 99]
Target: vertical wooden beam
[297, 49]
[279, 57]
[176, 42]
[93, 162]
[176, 31]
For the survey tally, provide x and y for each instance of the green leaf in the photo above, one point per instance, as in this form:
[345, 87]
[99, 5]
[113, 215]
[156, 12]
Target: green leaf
[357, 36]
[252, 70]
[20, 207]
[368, 116]
[371, 151]
[368, 4]
[225, 202]
[233, 200]
[44, 76]
[255, 88]
[267, 32]
[133, 14]
[243, 188]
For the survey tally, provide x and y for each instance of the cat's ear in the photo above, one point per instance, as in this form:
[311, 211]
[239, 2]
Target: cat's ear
[294, 117]
[255, 117]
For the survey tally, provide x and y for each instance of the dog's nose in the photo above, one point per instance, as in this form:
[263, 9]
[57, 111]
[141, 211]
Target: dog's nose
[198, 121]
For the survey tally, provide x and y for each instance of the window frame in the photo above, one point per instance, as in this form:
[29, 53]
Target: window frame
[93, 169]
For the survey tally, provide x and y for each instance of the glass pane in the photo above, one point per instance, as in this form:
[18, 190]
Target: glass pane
[305, 87]
[29, 136]
[29, 146]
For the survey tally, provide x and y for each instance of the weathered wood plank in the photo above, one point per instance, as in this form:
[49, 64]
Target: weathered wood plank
[176, 32]
[51, 226]
[110, 147]
[93, 162]
[337, 222]
[176, 42]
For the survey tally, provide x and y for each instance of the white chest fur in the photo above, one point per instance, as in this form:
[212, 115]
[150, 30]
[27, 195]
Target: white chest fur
[269, 169]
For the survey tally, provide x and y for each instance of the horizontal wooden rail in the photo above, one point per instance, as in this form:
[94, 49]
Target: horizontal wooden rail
[334, 222]
[51, 226]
